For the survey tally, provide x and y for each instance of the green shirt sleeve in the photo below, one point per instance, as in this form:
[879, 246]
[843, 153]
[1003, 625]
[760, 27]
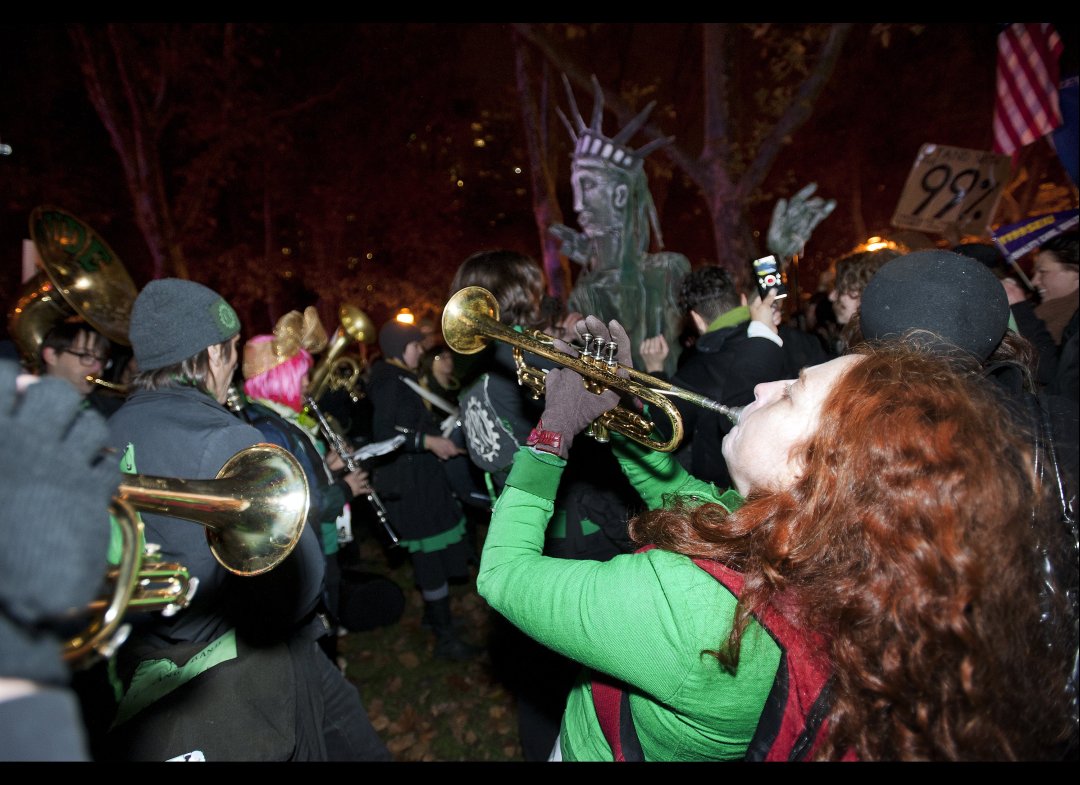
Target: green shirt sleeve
[644, 618]
[660, 479]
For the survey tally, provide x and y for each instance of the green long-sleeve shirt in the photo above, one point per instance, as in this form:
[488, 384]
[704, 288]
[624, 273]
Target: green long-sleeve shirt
[643, 618]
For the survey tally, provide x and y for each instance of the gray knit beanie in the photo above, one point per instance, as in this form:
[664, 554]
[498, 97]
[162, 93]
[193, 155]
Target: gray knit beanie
[173, 319]
[395, 336]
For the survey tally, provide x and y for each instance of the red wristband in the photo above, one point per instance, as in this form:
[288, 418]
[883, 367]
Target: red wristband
[548, 441]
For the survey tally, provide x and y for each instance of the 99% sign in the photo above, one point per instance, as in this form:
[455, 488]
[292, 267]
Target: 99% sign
[952, 187]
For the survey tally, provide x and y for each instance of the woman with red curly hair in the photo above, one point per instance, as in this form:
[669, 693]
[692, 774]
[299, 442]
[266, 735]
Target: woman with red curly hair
[882, 510]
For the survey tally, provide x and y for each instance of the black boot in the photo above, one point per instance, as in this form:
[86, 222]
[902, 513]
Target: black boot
[448, 646]
[427, 620]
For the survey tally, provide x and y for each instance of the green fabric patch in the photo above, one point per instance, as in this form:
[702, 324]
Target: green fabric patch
[329, 537]
[154, 679]
[557, 526]
[436, 542]
[735, 316]
[127, 460]
[116, 541]
[731, 499]
[225, 317]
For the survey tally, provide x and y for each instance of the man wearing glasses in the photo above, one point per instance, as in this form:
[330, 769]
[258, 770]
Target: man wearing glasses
[73, 351]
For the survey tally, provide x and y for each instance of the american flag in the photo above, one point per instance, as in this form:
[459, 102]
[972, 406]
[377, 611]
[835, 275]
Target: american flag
[1027, 85]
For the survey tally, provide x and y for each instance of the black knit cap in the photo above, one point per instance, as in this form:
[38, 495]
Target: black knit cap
[955, 298]
[395, 336]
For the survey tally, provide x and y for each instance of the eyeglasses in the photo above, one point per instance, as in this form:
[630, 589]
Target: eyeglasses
[86, 359]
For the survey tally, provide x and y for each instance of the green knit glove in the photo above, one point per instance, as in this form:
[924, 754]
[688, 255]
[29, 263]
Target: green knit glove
[568, 406]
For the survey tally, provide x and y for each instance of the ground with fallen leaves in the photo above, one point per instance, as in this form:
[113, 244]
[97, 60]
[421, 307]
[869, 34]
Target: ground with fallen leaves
[427, 709]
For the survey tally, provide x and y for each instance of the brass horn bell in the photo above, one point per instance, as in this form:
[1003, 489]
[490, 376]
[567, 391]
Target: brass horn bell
[335, 370]
[80, 277]
[253, 512]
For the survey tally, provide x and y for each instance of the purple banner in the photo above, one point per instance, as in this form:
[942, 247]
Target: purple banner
[1017, 239]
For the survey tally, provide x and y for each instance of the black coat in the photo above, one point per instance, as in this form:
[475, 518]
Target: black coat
[412, 481]
[593, 490]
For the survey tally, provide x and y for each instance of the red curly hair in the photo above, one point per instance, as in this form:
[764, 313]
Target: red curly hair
[908, 542]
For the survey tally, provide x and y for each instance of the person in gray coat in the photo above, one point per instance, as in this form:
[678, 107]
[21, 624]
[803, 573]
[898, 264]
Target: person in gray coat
[238, 674]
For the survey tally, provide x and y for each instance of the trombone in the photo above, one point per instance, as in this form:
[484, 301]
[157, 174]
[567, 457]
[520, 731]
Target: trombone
[471, 318]
[253, 512]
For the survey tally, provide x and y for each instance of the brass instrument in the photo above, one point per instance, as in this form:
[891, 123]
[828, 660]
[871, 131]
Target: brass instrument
[81, 277]
[336, 371]
[140, 581]
[112, 387]
[471, 318]
[253, 511]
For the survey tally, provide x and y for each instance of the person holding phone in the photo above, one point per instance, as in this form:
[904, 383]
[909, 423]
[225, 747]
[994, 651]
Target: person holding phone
[738, 347]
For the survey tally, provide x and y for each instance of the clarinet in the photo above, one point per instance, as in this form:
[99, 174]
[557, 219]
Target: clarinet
[337, 441]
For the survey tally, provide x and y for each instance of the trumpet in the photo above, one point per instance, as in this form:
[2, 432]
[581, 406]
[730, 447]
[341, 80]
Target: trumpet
[471, 319]
[253, 512]
[140, 581]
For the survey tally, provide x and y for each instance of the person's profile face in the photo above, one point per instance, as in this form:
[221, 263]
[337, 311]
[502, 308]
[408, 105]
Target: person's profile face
[844, 305]
[783, 414]
[1052, 278]
[411, 357]
[86, 356]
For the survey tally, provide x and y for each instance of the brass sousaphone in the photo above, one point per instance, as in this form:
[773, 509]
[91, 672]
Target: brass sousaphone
[80, 277]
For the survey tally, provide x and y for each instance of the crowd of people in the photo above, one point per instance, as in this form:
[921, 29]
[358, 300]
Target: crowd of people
[874, 557]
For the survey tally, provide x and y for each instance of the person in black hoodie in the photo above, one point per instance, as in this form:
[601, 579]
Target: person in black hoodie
[737, 348]
[594, 498]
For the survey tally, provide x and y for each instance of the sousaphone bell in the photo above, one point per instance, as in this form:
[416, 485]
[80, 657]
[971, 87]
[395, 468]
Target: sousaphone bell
[80, 277]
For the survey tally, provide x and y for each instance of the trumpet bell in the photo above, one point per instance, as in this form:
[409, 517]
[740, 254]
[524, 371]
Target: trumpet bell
[336, 371]
[357, 324]
[466, 315]
[253, 511]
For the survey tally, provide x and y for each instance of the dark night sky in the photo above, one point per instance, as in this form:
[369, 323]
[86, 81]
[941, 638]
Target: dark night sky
[879, 107]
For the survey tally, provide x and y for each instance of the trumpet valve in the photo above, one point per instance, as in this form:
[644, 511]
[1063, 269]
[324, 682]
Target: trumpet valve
[612, 349]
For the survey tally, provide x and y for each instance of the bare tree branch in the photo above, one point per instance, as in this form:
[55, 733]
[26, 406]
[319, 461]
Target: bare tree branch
[797, 113]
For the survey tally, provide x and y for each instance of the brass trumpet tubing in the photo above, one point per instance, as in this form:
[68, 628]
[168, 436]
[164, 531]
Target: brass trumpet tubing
[119, 389]
[471, 319]
[253, 512]
[101, 634]
[327, 373]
